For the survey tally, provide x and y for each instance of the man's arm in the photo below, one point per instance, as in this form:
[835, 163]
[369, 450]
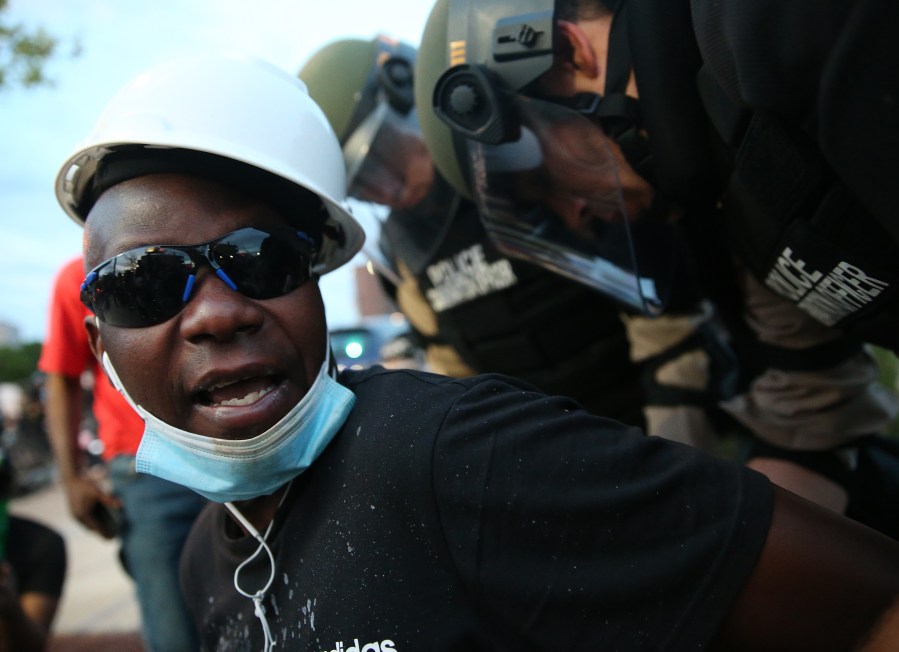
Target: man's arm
[885, 634]
[63, 406]
[823, 582]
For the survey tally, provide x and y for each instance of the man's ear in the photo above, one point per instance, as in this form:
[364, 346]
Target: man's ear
[92, 326]
[579, 49]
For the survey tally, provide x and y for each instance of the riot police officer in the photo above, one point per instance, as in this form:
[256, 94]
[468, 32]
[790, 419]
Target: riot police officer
[609, 124]
[476, 308]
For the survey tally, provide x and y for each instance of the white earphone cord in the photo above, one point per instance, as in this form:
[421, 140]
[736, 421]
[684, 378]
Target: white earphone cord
[269, 642]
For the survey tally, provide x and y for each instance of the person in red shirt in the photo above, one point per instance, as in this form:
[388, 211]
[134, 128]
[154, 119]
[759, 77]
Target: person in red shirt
[150, 516]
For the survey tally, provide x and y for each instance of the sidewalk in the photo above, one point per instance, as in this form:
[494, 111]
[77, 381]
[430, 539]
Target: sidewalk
[98, 610]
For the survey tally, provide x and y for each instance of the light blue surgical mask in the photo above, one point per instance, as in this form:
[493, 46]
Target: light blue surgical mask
[225, 470]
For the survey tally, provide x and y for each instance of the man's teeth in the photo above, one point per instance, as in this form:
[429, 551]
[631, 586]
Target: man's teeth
[249, 399]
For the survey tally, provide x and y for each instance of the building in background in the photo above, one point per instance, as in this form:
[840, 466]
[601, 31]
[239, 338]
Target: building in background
[9, 334]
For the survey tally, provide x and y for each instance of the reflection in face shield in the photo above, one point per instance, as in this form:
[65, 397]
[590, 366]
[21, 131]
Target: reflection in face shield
[587, 176]
[388, 161]
[563, 196]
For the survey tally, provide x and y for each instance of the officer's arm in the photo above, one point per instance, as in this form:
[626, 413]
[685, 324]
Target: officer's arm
[822, 582]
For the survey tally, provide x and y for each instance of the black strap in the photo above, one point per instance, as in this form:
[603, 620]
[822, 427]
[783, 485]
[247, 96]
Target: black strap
[824, 356]
[617, 107]
[828, 463]
[618, 61]
[723, 371]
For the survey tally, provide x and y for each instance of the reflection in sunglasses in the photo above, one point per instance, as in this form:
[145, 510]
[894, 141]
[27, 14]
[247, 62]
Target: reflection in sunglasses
[149, 285]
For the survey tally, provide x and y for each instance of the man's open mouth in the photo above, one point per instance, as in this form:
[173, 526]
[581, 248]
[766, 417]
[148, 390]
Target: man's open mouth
[239, 392]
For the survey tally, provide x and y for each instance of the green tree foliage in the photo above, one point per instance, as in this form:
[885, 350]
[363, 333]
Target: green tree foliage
[889, 376]
[23, 53]
[17, 363]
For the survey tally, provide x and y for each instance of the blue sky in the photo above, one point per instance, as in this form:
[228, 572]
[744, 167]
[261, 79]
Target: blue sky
[118, 39]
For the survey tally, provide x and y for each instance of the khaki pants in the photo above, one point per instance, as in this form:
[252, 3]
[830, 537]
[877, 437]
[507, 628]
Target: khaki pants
[650, 337]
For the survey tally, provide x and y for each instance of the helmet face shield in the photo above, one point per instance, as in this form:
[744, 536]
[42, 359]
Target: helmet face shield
[387, 160]
[552, 186]
[560, 194]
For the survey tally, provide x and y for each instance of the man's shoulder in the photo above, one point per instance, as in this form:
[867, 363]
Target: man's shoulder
[437, 410]
[427, 405]
[377, 380]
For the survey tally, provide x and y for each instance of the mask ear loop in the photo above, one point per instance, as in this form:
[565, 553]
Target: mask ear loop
[257, 597]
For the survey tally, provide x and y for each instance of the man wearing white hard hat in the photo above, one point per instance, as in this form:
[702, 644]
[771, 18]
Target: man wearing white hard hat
[386, 510]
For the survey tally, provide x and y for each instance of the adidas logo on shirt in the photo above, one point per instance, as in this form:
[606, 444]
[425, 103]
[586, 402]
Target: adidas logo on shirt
[384, 646]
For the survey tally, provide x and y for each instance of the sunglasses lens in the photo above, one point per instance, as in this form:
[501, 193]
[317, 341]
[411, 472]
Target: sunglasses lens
[141, 287]
[262, 265]
[148, 285]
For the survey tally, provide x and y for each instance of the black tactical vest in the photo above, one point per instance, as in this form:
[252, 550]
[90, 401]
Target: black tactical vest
[511, 317]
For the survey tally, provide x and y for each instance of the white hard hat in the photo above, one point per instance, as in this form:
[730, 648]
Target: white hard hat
[249, 115]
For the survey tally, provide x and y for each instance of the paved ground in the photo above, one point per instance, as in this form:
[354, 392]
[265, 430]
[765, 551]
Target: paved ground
[98, 611]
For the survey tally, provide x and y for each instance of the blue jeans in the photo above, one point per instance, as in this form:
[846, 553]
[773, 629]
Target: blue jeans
[157, 517]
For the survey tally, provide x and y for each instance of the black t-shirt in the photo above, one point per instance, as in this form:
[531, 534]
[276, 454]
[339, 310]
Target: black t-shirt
[37, 555]
[478, 514]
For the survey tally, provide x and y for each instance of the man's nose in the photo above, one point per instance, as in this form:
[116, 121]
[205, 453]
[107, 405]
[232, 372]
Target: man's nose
[574, 211]
[217, 311]
[380, 185]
